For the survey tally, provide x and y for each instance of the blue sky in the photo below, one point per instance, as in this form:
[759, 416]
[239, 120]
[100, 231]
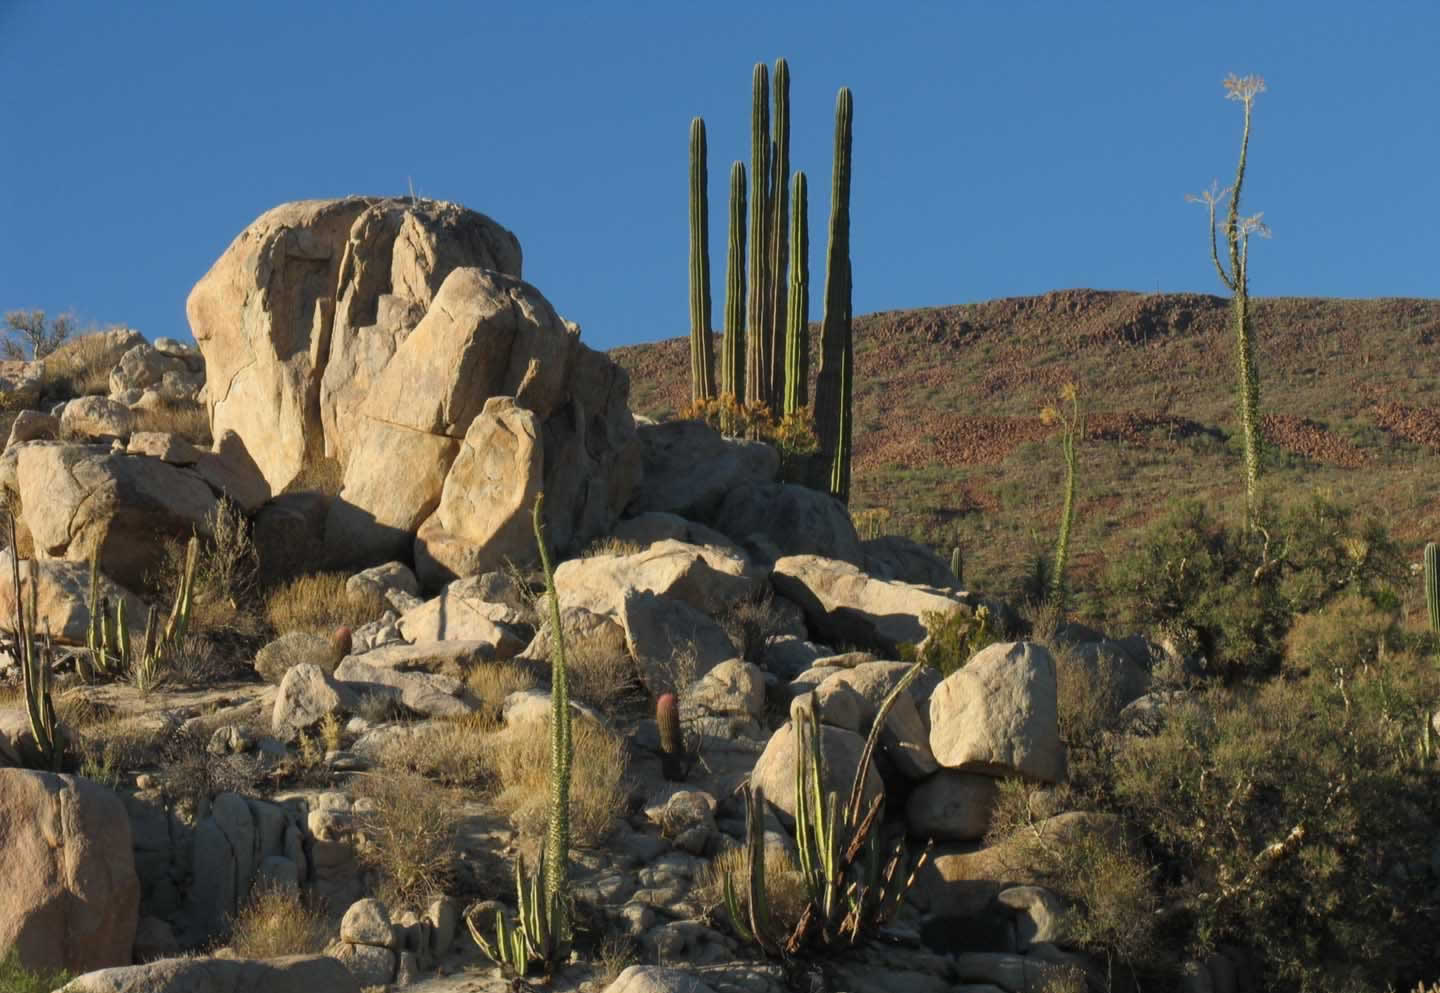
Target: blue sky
[1000, 148]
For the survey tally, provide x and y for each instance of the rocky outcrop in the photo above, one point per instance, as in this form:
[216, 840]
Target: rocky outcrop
[173, 375]
[71, 897]
[307, 281]
[62, 599]
[690, 467]
[707, 578]
[294, 974]
[76, 499]
[771, 520]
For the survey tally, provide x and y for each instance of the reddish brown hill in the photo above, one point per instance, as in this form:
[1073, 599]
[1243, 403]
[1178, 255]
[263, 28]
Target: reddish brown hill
[949, 439]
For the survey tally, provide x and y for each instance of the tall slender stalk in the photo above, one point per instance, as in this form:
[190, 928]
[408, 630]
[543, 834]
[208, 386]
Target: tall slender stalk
[702, 348]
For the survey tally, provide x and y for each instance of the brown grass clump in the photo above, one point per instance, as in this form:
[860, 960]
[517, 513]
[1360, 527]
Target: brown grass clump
[276, 921]
[184, 419]
[598, 674]
[319, 604]
[784, 886]
[321, 475]
[80, 367]
[492, 682]
[455, 752]
[521, 757]
[410, 833]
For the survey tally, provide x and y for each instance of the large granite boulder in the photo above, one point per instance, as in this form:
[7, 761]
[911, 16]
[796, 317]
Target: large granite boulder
[62, 595]
[842, 750]
[71, 897]
[317, 282]
[486, 335]
[775, 519]
[292, 974]
[704, 576]
[175, 376]
[76, 499]
[690, 467]
[844, 605]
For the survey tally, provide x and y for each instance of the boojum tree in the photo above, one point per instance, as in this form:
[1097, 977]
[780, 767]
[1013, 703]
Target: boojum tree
[1236, 277]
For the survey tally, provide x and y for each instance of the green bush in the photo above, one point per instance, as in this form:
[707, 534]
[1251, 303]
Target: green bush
[1298, 820]
[1231, 594]
[15, 978]
[952, 638]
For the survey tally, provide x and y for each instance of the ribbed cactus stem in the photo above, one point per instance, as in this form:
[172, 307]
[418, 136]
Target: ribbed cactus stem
[834, 387]
[702, 350]
[957, 565]
[557, 852]
[672, 744]
[1432, 585]
[797, 323]
[777, 321]
[757, 375]
[732, 360]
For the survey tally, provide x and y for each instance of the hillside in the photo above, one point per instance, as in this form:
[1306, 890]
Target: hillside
[950, 443]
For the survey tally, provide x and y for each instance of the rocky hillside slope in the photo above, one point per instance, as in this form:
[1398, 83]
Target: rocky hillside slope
[949, 439]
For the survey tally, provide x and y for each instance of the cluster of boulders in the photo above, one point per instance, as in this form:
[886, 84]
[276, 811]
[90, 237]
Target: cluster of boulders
[398, 339]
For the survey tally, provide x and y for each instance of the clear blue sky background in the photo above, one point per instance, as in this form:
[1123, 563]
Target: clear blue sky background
[1000, 148]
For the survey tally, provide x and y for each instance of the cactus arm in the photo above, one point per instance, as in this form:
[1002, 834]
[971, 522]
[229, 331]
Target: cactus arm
[702, 349]
[757, 377]
[834, 387]
[732, 349]
[1432, 585]
[797, 325]
[776, 320]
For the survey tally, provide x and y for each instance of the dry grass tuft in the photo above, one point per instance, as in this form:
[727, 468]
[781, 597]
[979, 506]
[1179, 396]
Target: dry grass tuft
[784, 885]
[319, 604]
[410, 833]
[610, 545]
[521, 757]
[455, 752]
[598, 674]
[322, 475]
[492, 682]
[184, 419]
[277, 921]
[80, 367]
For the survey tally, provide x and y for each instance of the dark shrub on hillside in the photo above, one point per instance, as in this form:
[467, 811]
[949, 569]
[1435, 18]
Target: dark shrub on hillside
[1231, 595]
[1298, 820]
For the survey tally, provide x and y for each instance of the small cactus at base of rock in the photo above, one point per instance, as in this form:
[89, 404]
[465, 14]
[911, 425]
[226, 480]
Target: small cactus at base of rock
[342, 643]
[672, 740]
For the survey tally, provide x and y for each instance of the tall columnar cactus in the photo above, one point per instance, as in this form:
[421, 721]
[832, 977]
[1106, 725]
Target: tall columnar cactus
[1072, 425]
[797, 323]
[1432, 585]
[111, 652]
[837, 354]
[542, 931]
[702, 349]
[1237, 279]
[757, 373]
[776, 322]
[732, 354]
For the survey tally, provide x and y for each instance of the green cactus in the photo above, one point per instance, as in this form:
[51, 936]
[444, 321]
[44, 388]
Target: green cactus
[853, 889]
[833, 389]
[757, 373]
[702, 348]
[957, 565]
[779, 200]
[797, 324]
[35, 668]
[1432, 585]
[542, 933]
[732, 354]
[108, 637]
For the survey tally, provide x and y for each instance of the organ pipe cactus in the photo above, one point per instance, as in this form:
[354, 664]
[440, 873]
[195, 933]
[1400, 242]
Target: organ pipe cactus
[702, 348]
[797, 324]
[833, 389]
[776, 321]
[853, 888]
[35, 668]
[732, 354]
[757, 374]
[542, 930]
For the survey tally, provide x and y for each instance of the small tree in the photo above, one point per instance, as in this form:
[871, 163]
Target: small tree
[1237, 279]
[43, 337]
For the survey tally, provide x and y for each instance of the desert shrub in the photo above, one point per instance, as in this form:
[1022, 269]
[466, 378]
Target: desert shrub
[1087, 701]
[15, 978]
[187, 419]
[224, 593]
[1345, 636]
[33, 330]
[785, 888]
[80, 367]
[410, 832]
[1233, 593]
[380, 707]
[453, 751]
[491, 682]
[122, 742]
[952, 638]
[1298, 821]
[521, 771]
[751, 623]
[318, 603]
[277, 921]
